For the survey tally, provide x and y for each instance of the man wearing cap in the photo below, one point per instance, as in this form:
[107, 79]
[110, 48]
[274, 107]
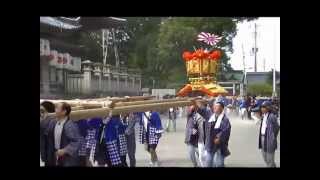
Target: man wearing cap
[217, 133]
[269, 129]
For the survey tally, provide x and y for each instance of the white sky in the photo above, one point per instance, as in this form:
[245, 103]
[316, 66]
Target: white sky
[268, 43]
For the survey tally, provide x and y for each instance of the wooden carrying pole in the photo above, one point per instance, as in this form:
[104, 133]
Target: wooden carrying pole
[119, 104]
[106, 111]
[100, 102]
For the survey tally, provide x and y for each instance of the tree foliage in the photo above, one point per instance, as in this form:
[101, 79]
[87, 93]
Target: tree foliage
[260, 89]
[155, 45]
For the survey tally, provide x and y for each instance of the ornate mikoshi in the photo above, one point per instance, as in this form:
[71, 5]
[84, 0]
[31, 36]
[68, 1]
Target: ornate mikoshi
[202, 68]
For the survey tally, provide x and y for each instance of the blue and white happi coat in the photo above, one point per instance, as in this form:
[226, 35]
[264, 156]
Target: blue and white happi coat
[114, 135]
[112, 140]
[111, 137]
[154, 128]
[83, 128]
[91, 138]
[122, 141]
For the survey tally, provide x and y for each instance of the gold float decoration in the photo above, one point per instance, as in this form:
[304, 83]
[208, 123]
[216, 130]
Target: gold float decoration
[202, 68]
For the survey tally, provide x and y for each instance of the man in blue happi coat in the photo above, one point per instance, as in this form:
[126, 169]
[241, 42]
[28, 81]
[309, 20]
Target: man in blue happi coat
[150, 133]
[268, 133]
[109, 147]
[243, 107]
[83, 126]
[217, 133]
[122, 141]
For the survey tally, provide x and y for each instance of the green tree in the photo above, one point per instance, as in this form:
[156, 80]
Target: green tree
[142, 47]
[91, 42]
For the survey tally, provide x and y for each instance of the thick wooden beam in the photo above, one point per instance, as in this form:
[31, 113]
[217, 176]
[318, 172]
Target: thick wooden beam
[129, 99]
[99, 102]
[77, 108]
[103, 112]
[119, 104]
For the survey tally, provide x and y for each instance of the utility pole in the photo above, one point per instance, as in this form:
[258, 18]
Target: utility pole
[242, 85]
[255, 47]
[244, 65]
[264, 64]
[274, 63]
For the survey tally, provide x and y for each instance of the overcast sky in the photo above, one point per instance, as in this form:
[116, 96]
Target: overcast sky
[268, 43]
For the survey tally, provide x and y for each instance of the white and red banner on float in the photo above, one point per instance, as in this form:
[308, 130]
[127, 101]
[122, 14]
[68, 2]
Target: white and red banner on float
[53, 57]
[64, 61]
[59, 60]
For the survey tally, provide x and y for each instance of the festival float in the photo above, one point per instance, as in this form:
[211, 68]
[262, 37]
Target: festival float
[202, 68]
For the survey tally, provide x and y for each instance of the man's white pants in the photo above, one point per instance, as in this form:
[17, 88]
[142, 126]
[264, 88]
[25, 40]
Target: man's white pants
[202, 157]
[243, 112]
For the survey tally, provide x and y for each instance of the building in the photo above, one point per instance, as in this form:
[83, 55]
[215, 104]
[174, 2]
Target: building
[237, 83]
[234, 82]
[263, 78]
[260, 77]
[64, 73]
[160, 93]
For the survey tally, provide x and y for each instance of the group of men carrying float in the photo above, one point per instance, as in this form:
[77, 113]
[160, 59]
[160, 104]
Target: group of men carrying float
[106, 141]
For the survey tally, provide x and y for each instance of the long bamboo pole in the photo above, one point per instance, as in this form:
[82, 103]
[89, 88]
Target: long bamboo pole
[133, 98]
[77, 108]
[103, 112]
[99, 102]
[119, 104]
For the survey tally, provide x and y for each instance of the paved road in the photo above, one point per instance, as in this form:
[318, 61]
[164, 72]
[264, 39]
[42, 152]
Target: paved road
[243, 144]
